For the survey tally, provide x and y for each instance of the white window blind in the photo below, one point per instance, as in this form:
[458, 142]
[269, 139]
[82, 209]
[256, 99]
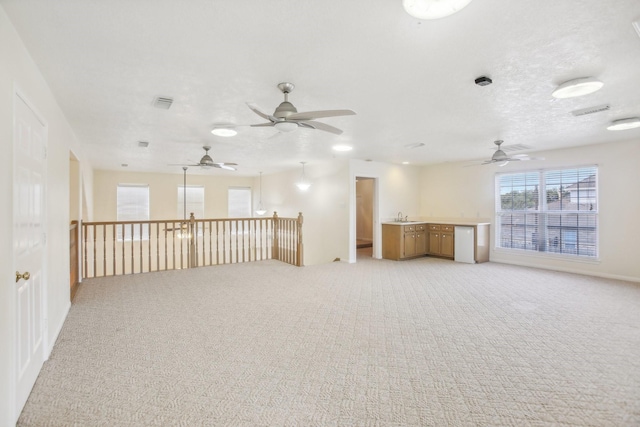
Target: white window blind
[195, 202]
[133, 205]
[552, 211]
[239, 202]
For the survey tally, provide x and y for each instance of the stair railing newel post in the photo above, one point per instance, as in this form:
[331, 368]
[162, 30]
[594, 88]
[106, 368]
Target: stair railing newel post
[275, 250]
[299, 257]
[193, 262]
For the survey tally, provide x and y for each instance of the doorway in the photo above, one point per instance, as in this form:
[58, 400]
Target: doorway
[365, 196]
[29, 246]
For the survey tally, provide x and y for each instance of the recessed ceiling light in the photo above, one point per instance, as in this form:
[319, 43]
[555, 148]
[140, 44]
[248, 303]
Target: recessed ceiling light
[405, 163]
[224, 130]
[577, 87]
[624, 124]
[342, 147]
[433, 9]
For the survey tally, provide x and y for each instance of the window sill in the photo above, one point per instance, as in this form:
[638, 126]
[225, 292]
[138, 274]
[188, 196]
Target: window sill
[547, 255]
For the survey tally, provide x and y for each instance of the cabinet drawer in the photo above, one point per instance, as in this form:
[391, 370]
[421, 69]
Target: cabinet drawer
[434, 227]
[409, 228]
[420, 227]
[446, 227]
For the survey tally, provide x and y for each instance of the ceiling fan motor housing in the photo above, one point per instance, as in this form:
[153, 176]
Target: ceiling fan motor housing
[284, 110]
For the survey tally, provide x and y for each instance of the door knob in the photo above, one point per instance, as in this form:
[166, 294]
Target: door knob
[24, 276]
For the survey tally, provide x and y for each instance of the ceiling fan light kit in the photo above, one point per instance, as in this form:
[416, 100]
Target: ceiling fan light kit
[285, 126]
[624, 124]
[577, 87]
[433, 9]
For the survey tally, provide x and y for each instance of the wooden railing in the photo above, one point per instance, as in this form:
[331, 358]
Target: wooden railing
[128, 247]
[73, 259]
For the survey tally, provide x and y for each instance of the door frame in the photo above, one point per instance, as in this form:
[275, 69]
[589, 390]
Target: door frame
[376, 232]
[19, 95]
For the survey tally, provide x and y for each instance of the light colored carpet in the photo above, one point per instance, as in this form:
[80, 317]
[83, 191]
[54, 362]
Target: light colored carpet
[379, 343]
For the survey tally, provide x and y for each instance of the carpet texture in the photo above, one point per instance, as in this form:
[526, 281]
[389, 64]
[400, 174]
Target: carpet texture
[426, 342]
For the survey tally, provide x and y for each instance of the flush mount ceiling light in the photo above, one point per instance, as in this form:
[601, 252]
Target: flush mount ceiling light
[342, 147]
[433, 9]
[624, 124]
[224, 130]
[303, 184]
[285, 126]
[577, 87]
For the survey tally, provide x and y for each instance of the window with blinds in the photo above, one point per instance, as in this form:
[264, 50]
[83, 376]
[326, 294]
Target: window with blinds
[239, 202]
[194, 202]
[132, 204]
[551, 211]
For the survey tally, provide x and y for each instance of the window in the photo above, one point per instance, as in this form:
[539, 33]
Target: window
[239, 202]
[195, 202]
[133, 205]
[551, 211]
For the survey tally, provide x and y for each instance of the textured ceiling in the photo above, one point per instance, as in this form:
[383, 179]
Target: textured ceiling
[409, 81]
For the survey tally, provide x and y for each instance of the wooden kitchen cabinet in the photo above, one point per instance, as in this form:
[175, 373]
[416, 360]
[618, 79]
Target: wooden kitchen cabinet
[441, 240]
[403, 241]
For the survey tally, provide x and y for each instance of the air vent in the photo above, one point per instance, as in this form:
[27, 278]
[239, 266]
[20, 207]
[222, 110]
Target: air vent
[515, 147]
[143, 144]
[163, 102]
[590, 110]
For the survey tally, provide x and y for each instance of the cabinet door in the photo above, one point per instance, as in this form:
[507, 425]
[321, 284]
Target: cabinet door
[434, 243]
[409, 244]
[421, 243]
[446, 244]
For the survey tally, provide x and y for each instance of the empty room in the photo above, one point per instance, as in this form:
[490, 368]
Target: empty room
[285, 213]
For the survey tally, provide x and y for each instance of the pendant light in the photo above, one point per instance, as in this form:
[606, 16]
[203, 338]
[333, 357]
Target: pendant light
[303, 184]
[260, 211]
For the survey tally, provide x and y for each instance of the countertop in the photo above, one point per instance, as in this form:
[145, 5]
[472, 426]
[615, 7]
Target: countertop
[448, 221]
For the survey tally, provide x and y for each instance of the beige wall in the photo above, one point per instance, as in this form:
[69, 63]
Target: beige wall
[163, 192]
[453, 190]
[19, 73]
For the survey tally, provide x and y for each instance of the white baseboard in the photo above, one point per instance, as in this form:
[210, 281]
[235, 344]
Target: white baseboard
[51, 342]
[572, 270]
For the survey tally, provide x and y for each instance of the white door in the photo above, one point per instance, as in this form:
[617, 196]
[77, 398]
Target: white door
[28, 246]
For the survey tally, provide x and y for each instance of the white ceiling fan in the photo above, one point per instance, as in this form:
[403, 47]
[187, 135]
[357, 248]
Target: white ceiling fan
[502, 158]
[207, 162]
[286, 117]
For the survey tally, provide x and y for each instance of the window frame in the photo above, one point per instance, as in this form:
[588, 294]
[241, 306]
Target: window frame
[552, 238]
[249, 198]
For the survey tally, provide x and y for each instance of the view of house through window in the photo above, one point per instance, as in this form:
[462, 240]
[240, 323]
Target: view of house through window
[132, 204]
[553, 211]
[239, 202]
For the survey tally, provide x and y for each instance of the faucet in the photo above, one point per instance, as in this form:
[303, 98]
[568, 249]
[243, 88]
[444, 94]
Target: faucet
[399, 218]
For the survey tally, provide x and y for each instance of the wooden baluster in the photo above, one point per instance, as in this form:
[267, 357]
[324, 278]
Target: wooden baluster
[193, 251]
[242, 222]
[274, 230]
[217, 243]
[299, 247]
[224, 243]
[123, 246]
[84, 250]
[166, 256]
[113, 243]
[210, 242]
[140, 239]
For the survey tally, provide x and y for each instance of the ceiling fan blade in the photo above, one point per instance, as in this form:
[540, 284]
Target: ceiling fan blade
[309, 115]
[259, 112]
[224, 166]
[320, 126]
[262, 125]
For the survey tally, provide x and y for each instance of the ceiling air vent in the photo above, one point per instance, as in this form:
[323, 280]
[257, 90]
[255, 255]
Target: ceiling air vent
[515, 147]
[590, 110]
[163, 102]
